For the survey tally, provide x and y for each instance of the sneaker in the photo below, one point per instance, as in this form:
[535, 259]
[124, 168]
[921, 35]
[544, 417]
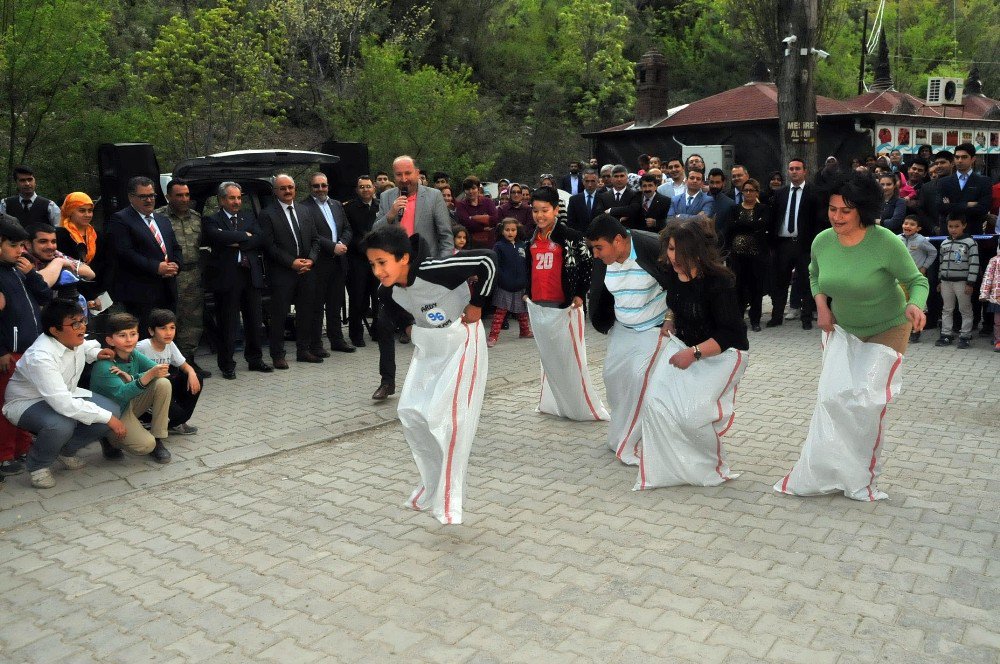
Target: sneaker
[72, 462]
[943, 341]
[42, 479]
[996, 347]
[964, 343]
[491, 341]
[527, 335]
[11, 467]
[914, 337]
[183, 429]
[793, 314]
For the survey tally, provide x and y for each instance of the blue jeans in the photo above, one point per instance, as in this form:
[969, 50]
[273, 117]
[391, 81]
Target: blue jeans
[57, 434]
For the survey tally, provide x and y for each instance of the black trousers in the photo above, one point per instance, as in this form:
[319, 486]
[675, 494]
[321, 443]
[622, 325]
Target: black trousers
[361, 288]
[388, 318]
[329, 297]
[182, 401]
[288, 288]
[790, 254]
[161, 298]
[750, 271]
[242, 299]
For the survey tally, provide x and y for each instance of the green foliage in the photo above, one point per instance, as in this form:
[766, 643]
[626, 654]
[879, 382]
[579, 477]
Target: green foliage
[429, 113]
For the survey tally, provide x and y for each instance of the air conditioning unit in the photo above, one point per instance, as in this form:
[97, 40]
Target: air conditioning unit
[944, 91]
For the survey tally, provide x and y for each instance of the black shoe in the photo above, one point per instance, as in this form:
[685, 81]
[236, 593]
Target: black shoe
[320, 352]
[261, 367]
[383, 391]
[775, 322]
[342, 346]
[201, 373]
[110, 451]
[229, 374]
[11, 467]
[308, 357]
[505, 325]
[914, 337]
[755, 327]
[404, 338]
[359, 342]
[943, 341]
[963, 344]
[807, 325]
[280, 363]
[160, 453]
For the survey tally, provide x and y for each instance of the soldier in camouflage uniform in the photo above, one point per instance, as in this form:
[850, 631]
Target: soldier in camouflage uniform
[190, 295]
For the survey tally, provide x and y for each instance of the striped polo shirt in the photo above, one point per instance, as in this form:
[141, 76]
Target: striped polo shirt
[640, 302]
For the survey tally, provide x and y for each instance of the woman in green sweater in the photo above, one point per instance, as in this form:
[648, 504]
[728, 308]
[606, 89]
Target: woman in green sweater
[861, 267]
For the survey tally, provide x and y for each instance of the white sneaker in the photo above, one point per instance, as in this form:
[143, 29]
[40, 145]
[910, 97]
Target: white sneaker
[72, 462]
[42, 479]
[793, 314]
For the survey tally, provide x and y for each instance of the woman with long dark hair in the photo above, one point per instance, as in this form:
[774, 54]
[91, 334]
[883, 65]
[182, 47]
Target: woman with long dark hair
[893, 207]
[747, 246]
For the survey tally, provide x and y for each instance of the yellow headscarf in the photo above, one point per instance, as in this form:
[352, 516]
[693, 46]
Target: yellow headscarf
[86, 236]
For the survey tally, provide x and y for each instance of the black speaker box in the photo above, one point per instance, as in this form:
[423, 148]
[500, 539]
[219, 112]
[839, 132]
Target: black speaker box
[116, 163]
[344, 174]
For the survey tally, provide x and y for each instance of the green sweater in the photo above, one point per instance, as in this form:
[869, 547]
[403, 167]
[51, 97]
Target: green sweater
[864, 280]
[103, 382]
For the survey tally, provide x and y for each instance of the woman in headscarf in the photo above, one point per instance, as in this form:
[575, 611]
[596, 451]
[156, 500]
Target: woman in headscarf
[77, 238]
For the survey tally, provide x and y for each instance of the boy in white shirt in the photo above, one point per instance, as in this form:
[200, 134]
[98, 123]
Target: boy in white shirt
[161, 349]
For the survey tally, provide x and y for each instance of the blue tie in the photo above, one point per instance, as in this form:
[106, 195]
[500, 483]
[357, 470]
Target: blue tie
[961, 180]
[590, 202]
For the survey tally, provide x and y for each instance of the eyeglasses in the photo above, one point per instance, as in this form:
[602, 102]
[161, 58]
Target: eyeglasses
[145, 197]
[76, 324]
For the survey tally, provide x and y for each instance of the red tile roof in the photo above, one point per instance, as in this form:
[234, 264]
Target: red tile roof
[888, 101]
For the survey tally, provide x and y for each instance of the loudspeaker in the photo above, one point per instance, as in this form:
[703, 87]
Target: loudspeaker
[116, 163]
[344, 174]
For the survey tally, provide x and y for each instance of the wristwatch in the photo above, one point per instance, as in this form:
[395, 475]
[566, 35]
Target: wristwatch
[697, 353]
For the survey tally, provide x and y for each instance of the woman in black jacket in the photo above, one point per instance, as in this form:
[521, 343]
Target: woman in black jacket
[746, 243]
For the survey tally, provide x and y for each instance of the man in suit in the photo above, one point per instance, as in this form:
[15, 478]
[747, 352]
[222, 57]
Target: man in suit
[739, 175]
[291, 248]
[648, 211]
[966, 190]
[619, 194]
[721, 203]
[235, 274]
[27, 206]
[331, 267]
[693, 201]
[676, 182]
[794, 223]
[421, 210]
[572, 181]
[148, 255]
[361, 283]
[583, 207]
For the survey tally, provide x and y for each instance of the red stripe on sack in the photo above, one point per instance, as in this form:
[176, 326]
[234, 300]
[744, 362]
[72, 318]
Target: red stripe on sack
[784, 483]
[642, 395]
[878, 437]
[417, 497]
[732, 418]
[718, 436]
[642, 471]
[579, 366]
[580, 316]
[454, 430]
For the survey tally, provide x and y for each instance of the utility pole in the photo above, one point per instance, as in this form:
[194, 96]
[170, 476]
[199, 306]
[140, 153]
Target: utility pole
[796, 90]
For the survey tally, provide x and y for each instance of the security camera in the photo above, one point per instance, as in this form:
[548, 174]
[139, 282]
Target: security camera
[820, 53]
[790, 39]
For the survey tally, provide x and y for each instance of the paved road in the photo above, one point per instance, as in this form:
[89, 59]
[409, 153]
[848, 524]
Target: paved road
[278, 534]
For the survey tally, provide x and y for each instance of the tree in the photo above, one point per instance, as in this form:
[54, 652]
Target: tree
[216, 80]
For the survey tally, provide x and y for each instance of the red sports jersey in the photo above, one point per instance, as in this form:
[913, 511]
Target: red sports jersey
[546, 271]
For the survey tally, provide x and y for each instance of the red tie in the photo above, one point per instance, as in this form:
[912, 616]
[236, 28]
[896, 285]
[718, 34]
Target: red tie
[156, 234]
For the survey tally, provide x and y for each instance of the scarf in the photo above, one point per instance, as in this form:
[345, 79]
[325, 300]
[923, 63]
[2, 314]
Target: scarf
[86, 235]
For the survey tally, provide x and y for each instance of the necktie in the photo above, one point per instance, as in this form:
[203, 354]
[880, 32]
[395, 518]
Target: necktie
[26, 203]
[295, 228]
[618, 197]
[590, 202]
[793, 211]
[241, 258]
[739, 197]
[156, 235]
[645, 204]
[690, 199]
[961, 180]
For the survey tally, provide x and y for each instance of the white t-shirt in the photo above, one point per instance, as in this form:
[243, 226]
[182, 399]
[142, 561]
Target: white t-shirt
[169, 355]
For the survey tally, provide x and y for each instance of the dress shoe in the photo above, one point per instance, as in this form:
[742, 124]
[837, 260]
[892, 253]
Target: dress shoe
[280, 363]
[229, 374]
[755, 327]
[320, 352]
[807, 325]
[160, 453]
[201, 373]
[261, 367]
[404, 338]
[342, 346]
[307, 357]
[110, 451]
[774, 322]
[359, 342]
[383, 391]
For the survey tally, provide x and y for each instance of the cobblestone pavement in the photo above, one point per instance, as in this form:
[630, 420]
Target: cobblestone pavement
[278, 534]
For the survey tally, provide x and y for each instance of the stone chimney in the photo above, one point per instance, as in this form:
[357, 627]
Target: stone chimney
[651, 98]
[883, 77]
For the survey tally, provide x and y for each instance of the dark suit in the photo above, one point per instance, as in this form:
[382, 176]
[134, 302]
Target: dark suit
[287, 286]
[361, 283]
[330, 270]
[721, 211]
[608, 198]
[568, 180]
[793, 252]
[978, 190]
[578, 217]
[659, 208]
[138, 284]
[236, 276]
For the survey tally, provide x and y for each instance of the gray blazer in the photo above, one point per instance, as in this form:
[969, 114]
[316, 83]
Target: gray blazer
[433, 223]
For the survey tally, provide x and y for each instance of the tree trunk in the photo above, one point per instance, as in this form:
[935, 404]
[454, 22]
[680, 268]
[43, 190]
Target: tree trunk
[796, 91]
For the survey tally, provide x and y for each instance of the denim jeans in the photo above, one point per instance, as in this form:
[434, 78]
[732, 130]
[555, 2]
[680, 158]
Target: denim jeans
[57, 434]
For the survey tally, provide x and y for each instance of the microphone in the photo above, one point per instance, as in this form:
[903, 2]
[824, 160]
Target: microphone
[403, 191]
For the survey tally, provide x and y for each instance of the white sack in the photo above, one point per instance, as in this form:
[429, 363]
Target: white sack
[567, 390]
[846, 435]
[686, 414]
[439, 410]
[627, 366]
